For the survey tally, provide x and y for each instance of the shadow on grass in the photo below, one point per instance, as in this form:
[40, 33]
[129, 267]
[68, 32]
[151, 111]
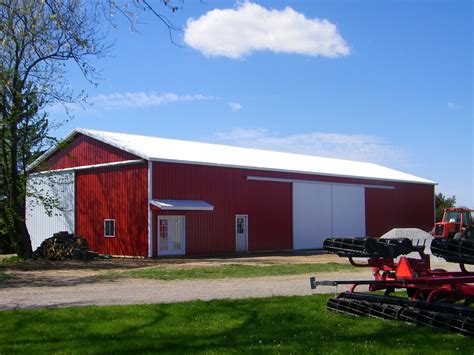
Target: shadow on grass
[19, 281]
[279, 324]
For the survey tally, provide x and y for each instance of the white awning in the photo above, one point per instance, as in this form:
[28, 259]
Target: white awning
[182, 205]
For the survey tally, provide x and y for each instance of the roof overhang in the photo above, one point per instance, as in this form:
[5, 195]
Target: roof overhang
[182, 205]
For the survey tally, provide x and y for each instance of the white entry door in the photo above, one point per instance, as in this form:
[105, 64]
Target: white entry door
[241, 233]
[171, 235]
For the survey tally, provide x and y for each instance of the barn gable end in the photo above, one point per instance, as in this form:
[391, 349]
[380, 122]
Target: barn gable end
[83, 150]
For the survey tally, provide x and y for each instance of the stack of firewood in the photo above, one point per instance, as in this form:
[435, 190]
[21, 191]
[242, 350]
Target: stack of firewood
[62, 246]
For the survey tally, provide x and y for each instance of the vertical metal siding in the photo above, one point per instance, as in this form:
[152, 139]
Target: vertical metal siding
[119, 193]
[408, 205]
[269, 205]
[58, 189]
[84, 150]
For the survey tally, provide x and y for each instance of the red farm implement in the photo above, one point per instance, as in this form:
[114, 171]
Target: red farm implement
[436, 298]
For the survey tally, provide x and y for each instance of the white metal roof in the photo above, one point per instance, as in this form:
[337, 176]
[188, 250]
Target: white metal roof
[180, 151]
[182, 205]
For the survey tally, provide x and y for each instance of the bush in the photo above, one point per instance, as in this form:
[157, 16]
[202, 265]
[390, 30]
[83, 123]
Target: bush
[11, 260]
[6, 246]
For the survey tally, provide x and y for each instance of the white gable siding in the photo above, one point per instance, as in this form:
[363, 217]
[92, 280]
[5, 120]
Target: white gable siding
[57, 188]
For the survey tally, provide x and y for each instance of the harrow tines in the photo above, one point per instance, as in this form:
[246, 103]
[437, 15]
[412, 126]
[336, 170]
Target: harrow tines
[351, 307]
[368, 247]
[355, 247]
[363, 308]
[444, 321]
[384, 311]
[457, 251]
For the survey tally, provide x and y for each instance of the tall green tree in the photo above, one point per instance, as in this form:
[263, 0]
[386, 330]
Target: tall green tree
[38, 38]
[443, 202]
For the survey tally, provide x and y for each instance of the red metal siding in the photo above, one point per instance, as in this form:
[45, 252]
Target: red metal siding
[119, 193]
[407, 206]
[83, 150]
[269, 205]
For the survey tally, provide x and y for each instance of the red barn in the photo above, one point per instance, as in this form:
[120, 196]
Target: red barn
[146, 196]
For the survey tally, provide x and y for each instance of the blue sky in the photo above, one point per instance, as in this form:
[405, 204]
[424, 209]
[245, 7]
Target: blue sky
[386, 82]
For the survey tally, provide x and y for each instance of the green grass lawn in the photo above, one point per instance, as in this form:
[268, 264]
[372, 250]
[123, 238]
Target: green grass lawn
[4, 277]
[269, 325]
[235, 270]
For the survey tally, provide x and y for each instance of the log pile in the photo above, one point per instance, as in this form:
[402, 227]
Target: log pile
[62, 246]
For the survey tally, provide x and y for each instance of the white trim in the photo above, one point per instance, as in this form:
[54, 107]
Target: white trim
[88, 167]
[186, 205]
[74, 209]
[246, 232]
[150, 222]
[115, 230]
[263, 178]
[183, 249]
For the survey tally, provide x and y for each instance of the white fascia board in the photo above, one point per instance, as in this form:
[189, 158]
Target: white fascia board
[150, 196]
[263, 178]
[88, 167]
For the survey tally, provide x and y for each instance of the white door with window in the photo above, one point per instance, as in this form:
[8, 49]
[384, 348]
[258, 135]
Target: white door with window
[241, 233]
[171, 235]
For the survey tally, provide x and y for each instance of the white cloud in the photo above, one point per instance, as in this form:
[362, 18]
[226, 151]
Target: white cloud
[143, 99]
[128, 100]
[249, 27]
[357, 147]
[235, 106]
[452, 105]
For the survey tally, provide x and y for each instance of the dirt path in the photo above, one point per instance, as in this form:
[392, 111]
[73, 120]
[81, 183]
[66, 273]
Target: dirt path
[143, 291]
[64, 284]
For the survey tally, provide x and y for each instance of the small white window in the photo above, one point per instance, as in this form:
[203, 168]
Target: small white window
[109, 228]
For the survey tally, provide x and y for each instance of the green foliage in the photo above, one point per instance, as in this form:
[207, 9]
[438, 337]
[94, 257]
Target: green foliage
[443, 202]
[4, 277]
[11, 260]
[235, 271]
[37, 39]
[298, 325]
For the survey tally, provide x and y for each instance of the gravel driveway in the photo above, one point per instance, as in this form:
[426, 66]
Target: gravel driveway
[143, 291]
[64, 284]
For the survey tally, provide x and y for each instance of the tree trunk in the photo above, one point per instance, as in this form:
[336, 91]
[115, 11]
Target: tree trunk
[23, 243]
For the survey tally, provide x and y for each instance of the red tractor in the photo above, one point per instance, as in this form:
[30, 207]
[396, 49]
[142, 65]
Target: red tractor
[455, 220]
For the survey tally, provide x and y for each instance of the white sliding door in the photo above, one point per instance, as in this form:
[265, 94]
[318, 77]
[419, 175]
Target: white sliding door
[324, 210]
[311, 215]
[348, 211]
